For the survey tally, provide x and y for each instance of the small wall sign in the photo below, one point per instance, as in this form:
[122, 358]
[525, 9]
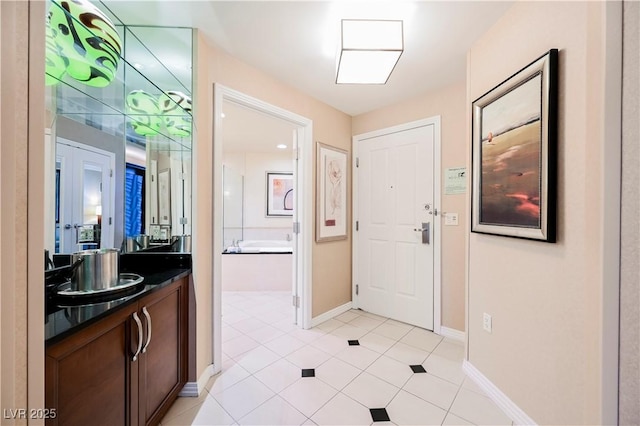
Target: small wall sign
[455, 180]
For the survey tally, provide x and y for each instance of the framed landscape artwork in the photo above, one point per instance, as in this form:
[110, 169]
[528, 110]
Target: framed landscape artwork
[514, 154]
[331, 191]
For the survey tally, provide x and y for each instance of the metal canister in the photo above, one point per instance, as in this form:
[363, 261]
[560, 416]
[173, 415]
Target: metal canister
[181, 243]
[95, 269]
[143, 241]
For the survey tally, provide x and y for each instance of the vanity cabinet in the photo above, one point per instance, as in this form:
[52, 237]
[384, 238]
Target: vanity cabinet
[162, 368]
[125, 369]
[87, 375]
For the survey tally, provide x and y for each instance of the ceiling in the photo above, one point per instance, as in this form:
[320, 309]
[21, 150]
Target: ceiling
[296, 41]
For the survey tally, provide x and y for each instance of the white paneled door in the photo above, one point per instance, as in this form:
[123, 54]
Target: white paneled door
[395, 236]
[85, 191]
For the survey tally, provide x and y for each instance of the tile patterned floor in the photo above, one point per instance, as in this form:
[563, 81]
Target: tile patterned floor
[355, 369]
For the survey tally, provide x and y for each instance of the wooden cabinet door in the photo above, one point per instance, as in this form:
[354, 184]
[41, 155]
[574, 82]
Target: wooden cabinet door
[88, 374]
[91, 378]
[162, 365]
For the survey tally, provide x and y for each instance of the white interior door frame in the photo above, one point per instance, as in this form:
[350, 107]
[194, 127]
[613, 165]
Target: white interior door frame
[437, 234]
[303, 200]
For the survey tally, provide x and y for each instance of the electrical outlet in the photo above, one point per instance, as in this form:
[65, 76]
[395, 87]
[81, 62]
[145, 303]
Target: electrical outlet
[486, 322]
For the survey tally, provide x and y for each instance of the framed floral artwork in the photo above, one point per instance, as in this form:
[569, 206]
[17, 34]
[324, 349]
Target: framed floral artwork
[331, 192]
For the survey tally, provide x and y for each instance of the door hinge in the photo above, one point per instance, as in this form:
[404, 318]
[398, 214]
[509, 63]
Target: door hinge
[296, 227]
[357, 225]
[357, 161]
[110, 172]
[296, 301]
[183, 221]
[357, 289]
[296, 153]
[110, 221]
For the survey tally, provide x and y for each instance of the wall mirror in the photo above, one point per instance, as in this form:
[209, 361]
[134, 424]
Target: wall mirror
[118, 152]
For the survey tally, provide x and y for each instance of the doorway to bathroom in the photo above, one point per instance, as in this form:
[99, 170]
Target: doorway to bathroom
[257, 220]
[262, 217]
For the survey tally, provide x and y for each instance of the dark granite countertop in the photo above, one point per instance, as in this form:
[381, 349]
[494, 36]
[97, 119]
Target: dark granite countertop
[67, 315]
[248, 251]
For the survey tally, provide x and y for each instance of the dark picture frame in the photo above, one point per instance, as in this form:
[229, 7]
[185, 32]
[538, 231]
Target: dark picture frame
[279, 194]
[514, 154]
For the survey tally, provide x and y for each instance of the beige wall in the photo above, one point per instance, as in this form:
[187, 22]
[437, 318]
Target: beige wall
[549, 301]
[331, 261]
[21, 195]
[449, 103]
[630, 253]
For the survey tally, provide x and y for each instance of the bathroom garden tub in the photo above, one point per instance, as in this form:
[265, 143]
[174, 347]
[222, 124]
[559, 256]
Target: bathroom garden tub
[262, 246]
[258, 265]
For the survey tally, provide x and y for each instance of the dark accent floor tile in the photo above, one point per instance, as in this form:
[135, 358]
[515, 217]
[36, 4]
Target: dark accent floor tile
[418, 369]
[308, 372]
[379, 414]
[353, 343]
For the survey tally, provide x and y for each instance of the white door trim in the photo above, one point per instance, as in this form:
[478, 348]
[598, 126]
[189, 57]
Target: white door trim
[304, 204]
[437, 234]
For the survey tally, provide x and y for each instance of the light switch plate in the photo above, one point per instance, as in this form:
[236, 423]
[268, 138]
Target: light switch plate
[451, 219]
[486, 322]
[86, 234]
[154, 230]
[159, 233]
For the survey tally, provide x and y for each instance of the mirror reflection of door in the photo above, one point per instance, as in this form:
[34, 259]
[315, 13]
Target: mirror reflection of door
[84, 197]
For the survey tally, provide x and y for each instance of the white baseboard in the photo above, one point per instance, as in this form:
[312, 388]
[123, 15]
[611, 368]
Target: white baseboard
[452, 333]
[330, 314]
[194, 389]
[514, 412]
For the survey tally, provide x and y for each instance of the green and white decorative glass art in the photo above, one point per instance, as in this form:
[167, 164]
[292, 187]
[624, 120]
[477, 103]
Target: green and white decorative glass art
[55, 63]
[87, 39]
[176, 109]
[144, 112]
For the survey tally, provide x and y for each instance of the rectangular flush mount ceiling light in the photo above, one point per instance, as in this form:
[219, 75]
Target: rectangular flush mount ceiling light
[369, 52]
